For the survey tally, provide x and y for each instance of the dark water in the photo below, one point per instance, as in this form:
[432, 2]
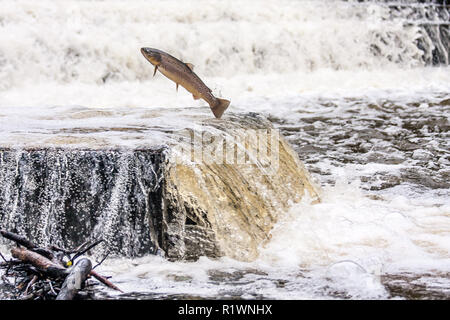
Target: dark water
[408, 139]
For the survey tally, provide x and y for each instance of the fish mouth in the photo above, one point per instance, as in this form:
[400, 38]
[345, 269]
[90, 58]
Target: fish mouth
[146, 51]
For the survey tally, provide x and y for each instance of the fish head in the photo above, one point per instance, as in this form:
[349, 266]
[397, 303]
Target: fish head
[152, 55]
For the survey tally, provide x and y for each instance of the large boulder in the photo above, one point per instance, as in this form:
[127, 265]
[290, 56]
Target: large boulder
[214, 188]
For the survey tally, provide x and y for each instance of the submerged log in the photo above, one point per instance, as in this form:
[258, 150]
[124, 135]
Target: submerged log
[75, 280]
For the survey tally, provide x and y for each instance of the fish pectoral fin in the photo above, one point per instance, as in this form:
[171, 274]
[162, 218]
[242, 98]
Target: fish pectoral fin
[154, 72]
[177, 85]
[196, 97]
[190, 66]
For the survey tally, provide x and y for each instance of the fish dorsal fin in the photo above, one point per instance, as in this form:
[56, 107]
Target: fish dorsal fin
[190, 66]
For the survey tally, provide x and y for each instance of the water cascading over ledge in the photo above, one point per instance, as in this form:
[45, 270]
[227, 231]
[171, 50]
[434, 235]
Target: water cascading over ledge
[431, 17]
[144, 198]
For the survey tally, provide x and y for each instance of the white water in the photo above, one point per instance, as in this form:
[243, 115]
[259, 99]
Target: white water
[343, 245]
[72, 64]
[87, 52]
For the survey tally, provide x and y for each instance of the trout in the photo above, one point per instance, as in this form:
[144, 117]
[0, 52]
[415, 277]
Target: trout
[183, 74]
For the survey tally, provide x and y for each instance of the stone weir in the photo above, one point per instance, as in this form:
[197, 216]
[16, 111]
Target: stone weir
[212, 189]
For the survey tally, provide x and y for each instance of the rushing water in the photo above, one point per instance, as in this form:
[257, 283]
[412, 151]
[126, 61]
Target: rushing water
[350, 85]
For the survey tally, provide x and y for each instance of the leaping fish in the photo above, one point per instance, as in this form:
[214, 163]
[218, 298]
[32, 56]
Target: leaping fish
[182, 74]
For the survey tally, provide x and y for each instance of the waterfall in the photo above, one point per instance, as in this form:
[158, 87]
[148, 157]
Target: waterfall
[98, 41]
[67, 197]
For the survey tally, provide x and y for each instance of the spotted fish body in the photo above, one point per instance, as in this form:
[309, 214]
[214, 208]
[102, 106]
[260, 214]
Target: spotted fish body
[182, 74]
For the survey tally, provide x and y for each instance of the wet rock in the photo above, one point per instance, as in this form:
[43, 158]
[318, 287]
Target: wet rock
[405, 145]
[378, 157]
[421, 154]
[426, 178]
[238, 203]
[151, 199]
[66, 197]
[413, 286]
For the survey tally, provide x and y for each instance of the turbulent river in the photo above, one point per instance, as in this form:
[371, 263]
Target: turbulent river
[361, 90]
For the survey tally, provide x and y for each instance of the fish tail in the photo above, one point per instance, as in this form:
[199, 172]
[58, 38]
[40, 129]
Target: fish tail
[220, 107]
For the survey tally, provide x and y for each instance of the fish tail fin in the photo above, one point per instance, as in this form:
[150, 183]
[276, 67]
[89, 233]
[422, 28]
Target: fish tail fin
[220, 107]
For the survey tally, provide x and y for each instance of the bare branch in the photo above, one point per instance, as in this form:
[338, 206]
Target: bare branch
[101, 261]
[18, 239]
[104, 281]
[85, 250]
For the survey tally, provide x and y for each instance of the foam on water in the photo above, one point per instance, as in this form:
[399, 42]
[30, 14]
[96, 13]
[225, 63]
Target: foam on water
[245, 91]
[87, 52]
[391, 232]
[340, 247]
[95, 42]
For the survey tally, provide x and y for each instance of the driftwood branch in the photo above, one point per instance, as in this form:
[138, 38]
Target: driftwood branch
[75, 280]
[42, 263]
[85, 250]
[22, 241]
[18, 239]
[32, 281]
[101, 261]
[40, 273]
[69, 251]
[105, 281]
